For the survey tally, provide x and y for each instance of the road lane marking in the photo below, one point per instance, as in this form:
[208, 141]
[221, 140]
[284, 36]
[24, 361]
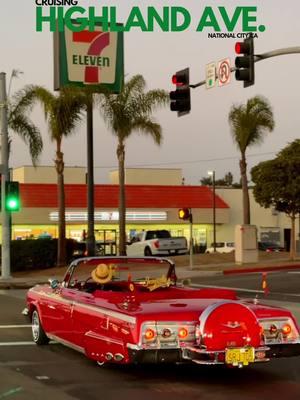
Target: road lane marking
[226, 287]
[243, 290]
[15, 326]
[29, 343]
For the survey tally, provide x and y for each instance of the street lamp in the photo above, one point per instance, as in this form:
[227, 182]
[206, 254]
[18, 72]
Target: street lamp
[212, 174]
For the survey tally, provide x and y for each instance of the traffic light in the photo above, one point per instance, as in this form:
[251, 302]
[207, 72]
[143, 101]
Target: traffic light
[12, 196]
[181, 97]
[245, 64]
[184, 213]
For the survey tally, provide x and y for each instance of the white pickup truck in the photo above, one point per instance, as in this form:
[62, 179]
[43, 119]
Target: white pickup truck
[156, 242]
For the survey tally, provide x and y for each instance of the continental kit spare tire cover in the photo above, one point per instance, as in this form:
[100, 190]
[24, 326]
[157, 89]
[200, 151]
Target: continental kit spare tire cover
[229, 324]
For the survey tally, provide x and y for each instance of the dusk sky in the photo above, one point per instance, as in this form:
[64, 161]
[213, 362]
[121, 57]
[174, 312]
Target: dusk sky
[197, 142]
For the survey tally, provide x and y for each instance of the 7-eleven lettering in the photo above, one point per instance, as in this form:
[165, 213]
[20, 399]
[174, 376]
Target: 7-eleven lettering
[99, 41]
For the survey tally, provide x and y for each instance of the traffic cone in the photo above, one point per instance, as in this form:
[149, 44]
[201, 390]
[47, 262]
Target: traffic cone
[264, 284]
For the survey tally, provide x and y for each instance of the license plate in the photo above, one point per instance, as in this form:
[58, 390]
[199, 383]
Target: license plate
[243, 355]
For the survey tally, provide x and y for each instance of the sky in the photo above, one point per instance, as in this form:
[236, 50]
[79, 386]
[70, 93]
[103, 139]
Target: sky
[197, 142]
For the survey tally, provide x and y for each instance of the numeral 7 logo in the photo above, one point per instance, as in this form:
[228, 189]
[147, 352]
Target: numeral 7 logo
[98, 41]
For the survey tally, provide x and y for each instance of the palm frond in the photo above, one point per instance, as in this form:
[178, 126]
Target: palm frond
[29, 133]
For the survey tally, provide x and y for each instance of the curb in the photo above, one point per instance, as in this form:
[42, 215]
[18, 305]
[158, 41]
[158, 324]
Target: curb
[261, 269]
[19, 285]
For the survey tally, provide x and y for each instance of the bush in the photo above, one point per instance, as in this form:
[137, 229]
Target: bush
[33, 254]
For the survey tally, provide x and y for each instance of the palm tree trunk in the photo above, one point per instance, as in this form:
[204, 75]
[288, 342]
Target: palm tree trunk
[122, 199]
[293, 238]
[61, 245]
[246, 202]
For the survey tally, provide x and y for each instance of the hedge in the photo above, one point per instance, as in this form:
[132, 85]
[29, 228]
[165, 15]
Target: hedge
[32, 254]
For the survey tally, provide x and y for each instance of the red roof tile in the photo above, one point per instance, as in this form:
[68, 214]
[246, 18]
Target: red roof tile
[106, 196]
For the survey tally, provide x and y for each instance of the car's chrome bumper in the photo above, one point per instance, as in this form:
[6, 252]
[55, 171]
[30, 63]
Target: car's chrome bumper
[202, 356]
[262, 354]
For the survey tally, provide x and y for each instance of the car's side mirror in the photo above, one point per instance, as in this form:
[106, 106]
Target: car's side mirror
[54, 283]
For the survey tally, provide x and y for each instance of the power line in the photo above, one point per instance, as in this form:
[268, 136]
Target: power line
[185, 162]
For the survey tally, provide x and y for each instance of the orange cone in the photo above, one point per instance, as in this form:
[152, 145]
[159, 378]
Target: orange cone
[264, 284]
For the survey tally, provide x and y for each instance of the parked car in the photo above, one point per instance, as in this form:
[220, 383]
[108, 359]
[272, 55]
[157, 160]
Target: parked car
[156, 242]
[270, 247]
[221, 247]
[125, 310]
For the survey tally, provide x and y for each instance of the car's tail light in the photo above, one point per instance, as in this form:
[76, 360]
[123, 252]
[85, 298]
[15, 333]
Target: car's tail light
[286, 329]
[167, 334]
[156, 244]
[279, 331]
[149, 334]
[273, 329]
[182, 333]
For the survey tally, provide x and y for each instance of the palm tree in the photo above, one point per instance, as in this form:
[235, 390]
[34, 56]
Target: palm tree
[249, 123]
[131, 110]
[18, 122]
[62, 112]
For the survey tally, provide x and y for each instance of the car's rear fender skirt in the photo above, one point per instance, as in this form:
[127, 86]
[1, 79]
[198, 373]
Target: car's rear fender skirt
[105, 349]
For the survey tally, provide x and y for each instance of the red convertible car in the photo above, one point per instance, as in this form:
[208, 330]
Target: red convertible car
[125, 310]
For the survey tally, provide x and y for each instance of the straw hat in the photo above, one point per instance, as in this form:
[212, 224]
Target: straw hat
[103, 273]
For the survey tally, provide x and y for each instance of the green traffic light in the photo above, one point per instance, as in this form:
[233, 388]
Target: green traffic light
[12, 204]
[12, 196]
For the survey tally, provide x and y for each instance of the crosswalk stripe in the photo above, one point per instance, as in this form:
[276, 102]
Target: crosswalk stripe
[14, 326]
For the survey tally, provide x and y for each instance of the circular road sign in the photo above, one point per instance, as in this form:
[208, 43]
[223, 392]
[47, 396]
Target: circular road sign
[224, 72]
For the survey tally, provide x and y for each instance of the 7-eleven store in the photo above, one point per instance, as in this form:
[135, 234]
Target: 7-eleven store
[148, 207]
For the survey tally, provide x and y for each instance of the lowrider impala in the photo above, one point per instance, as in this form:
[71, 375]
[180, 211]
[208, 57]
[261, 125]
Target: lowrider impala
[125, 310]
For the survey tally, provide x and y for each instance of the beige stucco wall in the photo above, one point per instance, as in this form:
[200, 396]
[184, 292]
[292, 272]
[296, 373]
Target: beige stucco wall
[44, 174]
[261, 217]
[149, 176]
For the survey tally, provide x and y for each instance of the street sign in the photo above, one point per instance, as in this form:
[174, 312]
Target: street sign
[210, 74]
[224, 72]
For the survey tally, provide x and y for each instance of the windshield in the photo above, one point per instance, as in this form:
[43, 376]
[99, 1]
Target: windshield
[162, 234]
[120, 269]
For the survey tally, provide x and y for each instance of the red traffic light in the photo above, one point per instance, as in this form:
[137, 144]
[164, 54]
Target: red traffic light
[178, 80]
[245, 47]
[238, 47]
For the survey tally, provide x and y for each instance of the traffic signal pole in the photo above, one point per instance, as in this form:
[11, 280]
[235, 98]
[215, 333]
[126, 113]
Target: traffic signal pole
[191, 239]
[260, 57]
[5, 246]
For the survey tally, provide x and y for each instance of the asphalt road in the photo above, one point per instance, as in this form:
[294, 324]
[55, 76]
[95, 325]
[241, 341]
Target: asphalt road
[55, 372]
[283, 286]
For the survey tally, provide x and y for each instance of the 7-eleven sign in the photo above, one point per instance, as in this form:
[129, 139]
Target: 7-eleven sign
[88, 58]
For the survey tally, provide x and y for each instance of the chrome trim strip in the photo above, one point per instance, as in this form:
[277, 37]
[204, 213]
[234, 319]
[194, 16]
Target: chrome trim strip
[114, 314]
[97, 309]
[95, 335]
[206, 313]
[134, 346]
[66, 343]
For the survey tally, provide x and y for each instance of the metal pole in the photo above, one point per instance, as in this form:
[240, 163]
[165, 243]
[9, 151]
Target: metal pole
[191, 240]
[214, 210]
[259, 57]
[5, 248]
[90, 242]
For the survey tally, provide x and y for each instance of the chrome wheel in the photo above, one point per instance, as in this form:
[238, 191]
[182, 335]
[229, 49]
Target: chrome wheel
[35, 326]
[38, 334]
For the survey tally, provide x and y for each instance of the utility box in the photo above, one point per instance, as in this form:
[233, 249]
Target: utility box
[246, 244]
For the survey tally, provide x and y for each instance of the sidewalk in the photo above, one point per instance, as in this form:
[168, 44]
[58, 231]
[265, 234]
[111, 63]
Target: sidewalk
[24, 280]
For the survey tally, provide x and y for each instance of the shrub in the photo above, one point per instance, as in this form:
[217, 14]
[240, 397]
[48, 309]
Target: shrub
[37, 253]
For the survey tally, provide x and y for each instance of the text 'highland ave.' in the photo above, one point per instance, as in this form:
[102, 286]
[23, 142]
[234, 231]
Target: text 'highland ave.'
[165, 19]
